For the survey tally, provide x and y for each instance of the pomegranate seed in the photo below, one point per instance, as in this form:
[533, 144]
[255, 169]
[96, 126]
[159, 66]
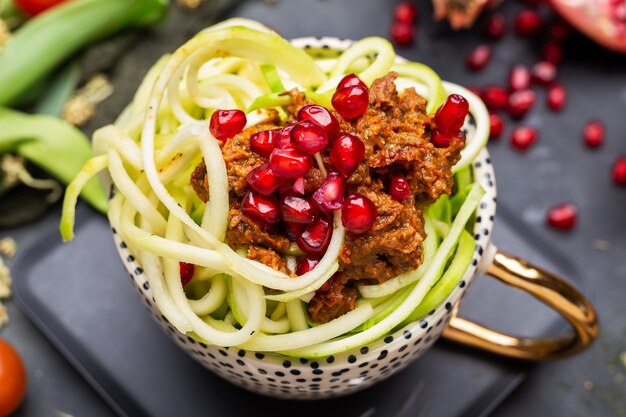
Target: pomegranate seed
[560, 31]
[495, 98]
[534, 3]
[264, 208]
[523, 138]
[479, 58]
[186, 272]
[496, 26]
[346, 153]
[350, 80]
[593, 134]
[297, 210]
[289, 163]
[225, 124]
[330, 194]
[283, 136]
[405, 12]
[519, 78]
[439, 139]
[351, 102]
[619, 171]
[309, 137]
[315, 237]
[553, 53]
[528, 23]
[562, 216]
[298, 185]
[293, 230]
[263, 142]
[496, 126]
[451, 115]
[263, 180]
[399, 189]
[543, 73]
[358, 214]
[402, 34]
[307, 263]
[520, 103]
[557, 95]
[321, 116]
[326, 286]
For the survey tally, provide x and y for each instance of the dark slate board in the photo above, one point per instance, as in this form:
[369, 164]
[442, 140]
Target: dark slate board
[79, 295]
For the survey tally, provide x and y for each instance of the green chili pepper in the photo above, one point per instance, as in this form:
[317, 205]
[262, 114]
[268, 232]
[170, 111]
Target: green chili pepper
[53, 145]
[47, 40]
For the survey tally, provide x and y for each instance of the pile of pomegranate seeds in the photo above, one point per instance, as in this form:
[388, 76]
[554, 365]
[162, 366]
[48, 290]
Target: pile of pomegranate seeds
[562, 216]
[402, 29]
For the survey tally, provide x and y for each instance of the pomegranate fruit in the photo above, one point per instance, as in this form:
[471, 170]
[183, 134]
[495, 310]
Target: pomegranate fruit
[358, 214]
[593, 134]
[259, 207]
[297, 210]
[562, 216]
[346, 153]
[479, 58]
[557, 96]
[316, 236]
[495, 98]
[330, 194]
[309, 137]
[306, 264]
[495, 26]
[289, 163]
[351, 102]
[405, 12]
[321, 116]
[523, 138]
[528, 23]
[619, 171]
[496, 126]
[519, 78]
[399, 188]
[186, 272]
[225, 124]
[264, 142]
[520, 103]
[451, 114]
[263, 180]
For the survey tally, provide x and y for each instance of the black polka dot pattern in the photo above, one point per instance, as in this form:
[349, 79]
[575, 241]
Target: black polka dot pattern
[342, 373]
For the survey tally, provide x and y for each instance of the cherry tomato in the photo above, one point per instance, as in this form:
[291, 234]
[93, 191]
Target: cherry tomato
[34, 7]
[12, 379]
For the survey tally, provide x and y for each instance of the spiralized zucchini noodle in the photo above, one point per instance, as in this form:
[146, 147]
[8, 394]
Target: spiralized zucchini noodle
[152, 148]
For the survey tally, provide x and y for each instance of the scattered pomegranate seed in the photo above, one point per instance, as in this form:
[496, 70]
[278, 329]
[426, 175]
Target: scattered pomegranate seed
[186, 272]
[298, 185]
[294, 230]
[520, 103]
[519, 78]
[560, 31]
[283, 137]
[543, 73]
[479, 58]
[451, 114]
[316, 236]
[321, 116]
[495, 97]
[557, 95]
[289, 163]
[263, 142]
[593, 134]
[523, 137]
[528, 23]
[351, 102]
[496, 126]
[405, 12]
[264, 208]
[402, 34]
[399, 188]
[496, 26]
[553, 53]
[562, 216]
[297, 210]
[263, 180]
[358, 214]
[619, 171]
[309, 137]
[225, 124]
[350, 80]
[534, 3]
[346, 153]
[307, 263]
[330, 194]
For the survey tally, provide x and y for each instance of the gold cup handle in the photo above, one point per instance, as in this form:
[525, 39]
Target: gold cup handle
[546, 287]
